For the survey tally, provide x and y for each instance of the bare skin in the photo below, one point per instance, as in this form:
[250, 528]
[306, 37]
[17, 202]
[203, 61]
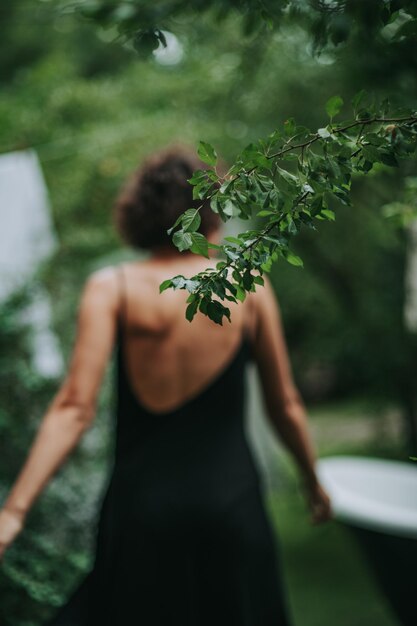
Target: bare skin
[169, 360]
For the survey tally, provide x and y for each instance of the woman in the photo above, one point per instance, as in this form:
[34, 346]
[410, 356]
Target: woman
[183, 536]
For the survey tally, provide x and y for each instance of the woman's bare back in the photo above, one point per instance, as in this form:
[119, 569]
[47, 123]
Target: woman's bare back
[170, 360]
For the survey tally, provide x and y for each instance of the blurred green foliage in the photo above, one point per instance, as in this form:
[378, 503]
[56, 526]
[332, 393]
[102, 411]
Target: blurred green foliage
[92, 109]
[41, 567]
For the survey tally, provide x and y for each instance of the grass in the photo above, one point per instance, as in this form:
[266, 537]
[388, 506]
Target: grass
[328, 580]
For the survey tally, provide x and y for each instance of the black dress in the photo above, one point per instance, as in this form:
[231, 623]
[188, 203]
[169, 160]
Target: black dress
[183, 537]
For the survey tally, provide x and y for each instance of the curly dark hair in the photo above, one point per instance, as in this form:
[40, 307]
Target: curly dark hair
[156, 194]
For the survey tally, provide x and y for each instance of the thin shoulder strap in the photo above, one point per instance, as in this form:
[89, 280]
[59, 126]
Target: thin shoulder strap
[121, 278]
[247, 328]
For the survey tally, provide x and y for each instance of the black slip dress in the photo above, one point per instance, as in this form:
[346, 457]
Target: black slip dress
[183, 537]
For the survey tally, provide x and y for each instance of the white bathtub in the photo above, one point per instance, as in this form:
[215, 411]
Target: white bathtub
[377, 500]
[375, 494]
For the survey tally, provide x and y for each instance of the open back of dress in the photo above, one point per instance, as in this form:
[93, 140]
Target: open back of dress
[183, 536]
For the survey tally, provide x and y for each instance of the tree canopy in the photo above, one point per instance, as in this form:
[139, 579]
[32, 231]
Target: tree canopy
[291, 178]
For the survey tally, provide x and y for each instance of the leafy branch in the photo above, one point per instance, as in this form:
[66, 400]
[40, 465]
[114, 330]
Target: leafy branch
[290, 180]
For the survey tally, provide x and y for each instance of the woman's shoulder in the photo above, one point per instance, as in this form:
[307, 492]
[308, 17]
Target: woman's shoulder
[103, 276]
[109, 276]
[101, 288]
[109, 285]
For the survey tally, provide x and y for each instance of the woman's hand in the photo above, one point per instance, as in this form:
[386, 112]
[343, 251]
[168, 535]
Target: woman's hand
[318, 503]
[11, 524]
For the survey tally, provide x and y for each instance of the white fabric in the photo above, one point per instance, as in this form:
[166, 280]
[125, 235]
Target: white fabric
[26, 235]
[26, 239]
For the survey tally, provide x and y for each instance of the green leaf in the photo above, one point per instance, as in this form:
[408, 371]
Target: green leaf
[407, 30]
[290, 178]
[370, 153]
[166, 284]
[230, 286]
[191, 220]
[207, 153]
[175, 224]
[233, 240]
[240, 293]
[357, 99]
[182, 240]
[199, 244]
[289, 126]
[252, 156]
[204, 302]
[329, 214]
[374, 139]
[292, 226]
[247, 280]
[333, 106]
[191, 310]
[279, 241]
[293, 259]
[216, 311]
[259, 280]
[224, 187]
[229, 209]
[211, 174]
[231, 254]
[217, 207]
[265, 213]
[200, 190]
[219, 288]
[198, 177]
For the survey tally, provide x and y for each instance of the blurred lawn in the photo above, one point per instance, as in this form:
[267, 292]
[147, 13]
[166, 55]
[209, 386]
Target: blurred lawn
[328, 579]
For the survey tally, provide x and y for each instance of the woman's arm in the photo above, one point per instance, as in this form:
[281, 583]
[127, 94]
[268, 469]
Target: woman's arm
[283, 402]
[72, 410]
